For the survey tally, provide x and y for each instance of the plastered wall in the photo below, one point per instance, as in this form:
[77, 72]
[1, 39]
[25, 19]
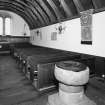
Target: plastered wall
[17, 24]
[70, 38]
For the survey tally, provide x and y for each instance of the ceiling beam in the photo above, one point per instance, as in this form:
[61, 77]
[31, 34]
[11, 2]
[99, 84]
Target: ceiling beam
[66, 8]
[48, 11]
[78, 5]
[50, 8]
[95, 4]
[40, 11]
[44, 11]
[32, 13]
[60, 8]
[33, 8]
[56, 11]
[28, 6]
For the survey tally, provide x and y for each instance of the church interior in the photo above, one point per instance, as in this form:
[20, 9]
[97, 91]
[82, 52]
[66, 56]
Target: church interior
[51, 52]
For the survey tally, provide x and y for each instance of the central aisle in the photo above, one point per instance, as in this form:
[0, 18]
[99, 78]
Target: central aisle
[14, 87]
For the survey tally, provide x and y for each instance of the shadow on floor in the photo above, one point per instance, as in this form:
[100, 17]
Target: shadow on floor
[15, 89]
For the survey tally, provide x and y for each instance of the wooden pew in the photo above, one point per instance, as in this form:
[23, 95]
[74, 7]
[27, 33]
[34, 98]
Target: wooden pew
[42, 59]
[39, 62]
[42, 69]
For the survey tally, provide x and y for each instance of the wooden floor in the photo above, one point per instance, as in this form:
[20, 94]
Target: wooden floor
[15, 89]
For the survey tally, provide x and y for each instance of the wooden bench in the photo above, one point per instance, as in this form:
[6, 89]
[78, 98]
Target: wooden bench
[38, 64]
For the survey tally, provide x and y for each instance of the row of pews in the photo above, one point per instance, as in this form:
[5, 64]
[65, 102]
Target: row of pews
[38, 63]
[4, 47]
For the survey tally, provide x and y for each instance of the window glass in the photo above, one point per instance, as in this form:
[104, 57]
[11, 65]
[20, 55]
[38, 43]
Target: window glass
[1, 26]
[7, 26]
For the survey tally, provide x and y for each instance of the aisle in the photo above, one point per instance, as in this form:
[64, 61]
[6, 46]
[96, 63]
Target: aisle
[14, 87]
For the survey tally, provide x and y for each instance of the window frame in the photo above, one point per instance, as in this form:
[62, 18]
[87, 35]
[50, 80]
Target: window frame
[9, 25]
[1, 25]
[4, 25]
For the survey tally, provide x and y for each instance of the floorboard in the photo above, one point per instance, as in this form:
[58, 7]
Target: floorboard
[15, 89]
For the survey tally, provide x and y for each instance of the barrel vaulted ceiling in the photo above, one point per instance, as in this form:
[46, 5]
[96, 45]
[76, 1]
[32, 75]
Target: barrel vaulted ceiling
[39, 13]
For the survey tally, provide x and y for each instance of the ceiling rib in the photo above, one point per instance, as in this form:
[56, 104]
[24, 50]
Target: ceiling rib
[52, 18]
[50, 8]
[36, 20]
[78, 5]
[66, 8]
[57, 12]
[31, 5]
[95, 4]
[28, 11]
[26, 7]
[38, 15]
[43, 14]
[60, 8]
[44, 11]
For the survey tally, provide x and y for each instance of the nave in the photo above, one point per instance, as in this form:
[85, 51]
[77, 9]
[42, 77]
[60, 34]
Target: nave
[55, 52]
[15, 89]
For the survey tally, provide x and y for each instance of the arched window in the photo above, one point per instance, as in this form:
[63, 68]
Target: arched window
[5, 25]
[1, 26]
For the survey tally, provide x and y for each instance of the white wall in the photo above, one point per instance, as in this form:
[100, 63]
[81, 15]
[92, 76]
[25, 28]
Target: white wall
[71, 38]
[17, 24]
